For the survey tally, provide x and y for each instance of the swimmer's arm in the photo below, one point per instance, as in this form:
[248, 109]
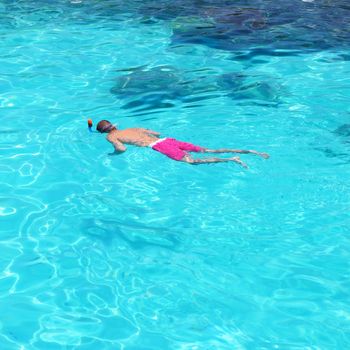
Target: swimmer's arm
[118, 147]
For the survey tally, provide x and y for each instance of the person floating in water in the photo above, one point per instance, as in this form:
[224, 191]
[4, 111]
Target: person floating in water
[172, 148]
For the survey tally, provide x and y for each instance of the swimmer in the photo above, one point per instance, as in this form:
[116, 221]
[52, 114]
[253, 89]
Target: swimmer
[170, 147]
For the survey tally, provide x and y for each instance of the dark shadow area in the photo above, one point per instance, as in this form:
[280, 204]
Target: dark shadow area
[341, 149]
[295, 26]
[164, 86]
[248, 25]
[136, 235]
[343, 131]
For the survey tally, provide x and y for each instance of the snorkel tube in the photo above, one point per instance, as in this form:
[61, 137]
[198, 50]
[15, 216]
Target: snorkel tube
[90, 125]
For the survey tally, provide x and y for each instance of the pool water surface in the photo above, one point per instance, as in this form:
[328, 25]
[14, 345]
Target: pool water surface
[140, 252]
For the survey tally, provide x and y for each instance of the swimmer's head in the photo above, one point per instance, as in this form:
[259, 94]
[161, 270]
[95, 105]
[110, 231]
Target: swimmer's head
[105, 126]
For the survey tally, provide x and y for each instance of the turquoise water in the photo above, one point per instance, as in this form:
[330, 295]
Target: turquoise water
[139, 252]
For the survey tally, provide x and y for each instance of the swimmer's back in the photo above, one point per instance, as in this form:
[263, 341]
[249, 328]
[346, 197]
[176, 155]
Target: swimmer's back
[132, 136]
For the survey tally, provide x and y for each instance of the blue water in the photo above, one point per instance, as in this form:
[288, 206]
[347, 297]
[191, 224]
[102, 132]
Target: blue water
[139, 252]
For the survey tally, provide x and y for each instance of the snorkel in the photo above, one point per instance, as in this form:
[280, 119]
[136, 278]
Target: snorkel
[90, 125]
[105, 127]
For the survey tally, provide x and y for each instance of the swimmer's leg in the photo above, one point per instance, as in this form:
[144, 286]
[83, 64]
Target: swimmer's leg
[188, 159]
[228, 150]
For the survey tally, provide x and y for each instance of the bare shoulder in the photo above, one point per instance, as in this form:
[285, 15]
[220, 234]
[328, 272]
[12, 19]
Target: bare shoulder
[112, 138]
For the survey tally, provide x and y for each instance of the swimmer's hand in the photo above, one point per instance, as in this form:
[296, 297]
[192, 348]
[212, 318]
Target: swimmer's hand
[118, 146]
[117, 150]
[115, 153]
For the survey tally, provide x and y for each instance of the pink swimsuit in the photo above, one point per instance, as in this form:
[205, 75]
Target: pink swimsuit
[174, 149]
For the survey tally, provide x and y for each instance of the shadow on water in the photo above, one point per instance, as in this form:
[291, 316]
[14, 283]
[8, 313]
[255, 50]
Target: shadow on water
[162, 87]
[344, 131]
[242, 86]
[343, 152]
[136, 235]
[155, 84]
[8, 132]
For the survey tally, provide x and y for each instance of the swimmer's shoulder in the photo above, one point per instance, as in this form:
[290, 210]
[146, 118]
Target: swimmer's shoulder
[112, 137]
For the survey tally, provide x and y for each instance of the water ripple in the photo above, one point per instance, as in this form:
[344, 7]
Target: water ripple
[137, 251]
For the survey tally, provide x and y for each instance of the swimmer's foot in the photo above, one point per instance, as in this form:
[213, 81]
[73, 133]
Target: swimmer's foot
[238, 160]
[264, 155]
[260, 154]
